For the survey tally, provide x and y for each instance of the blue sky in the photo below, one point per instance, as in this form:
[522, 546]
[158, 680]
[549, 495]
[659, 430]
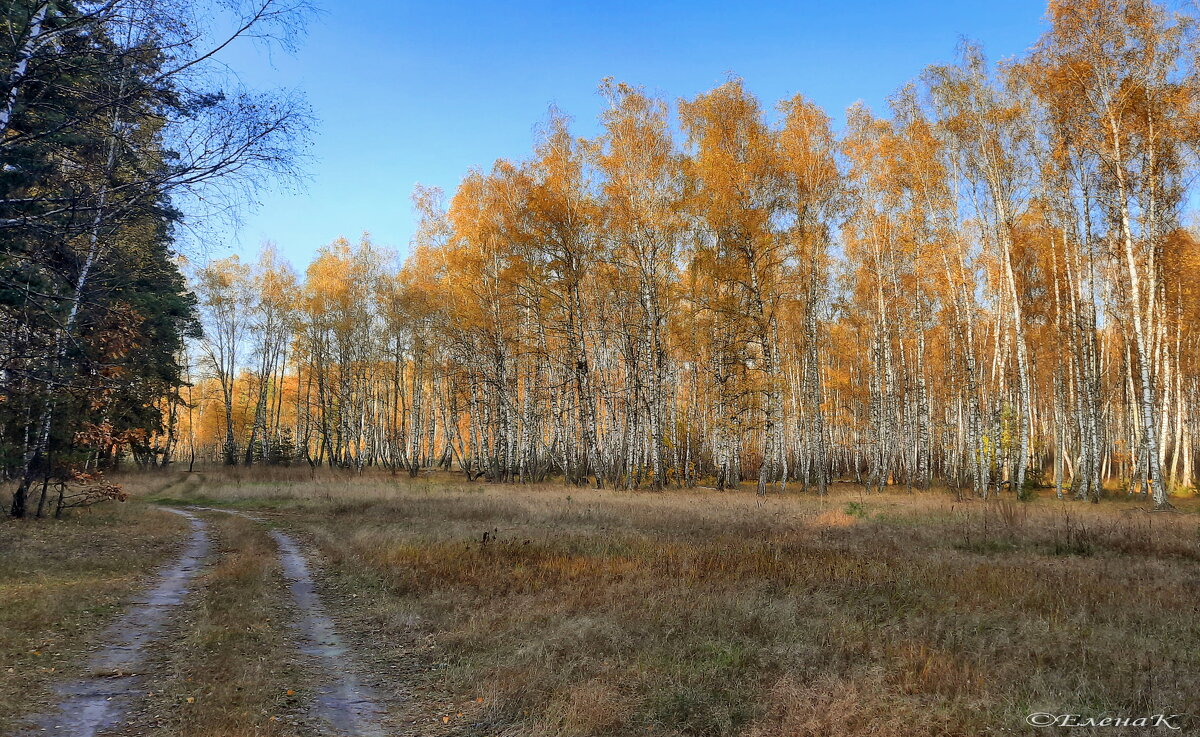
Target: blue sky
[409, 92]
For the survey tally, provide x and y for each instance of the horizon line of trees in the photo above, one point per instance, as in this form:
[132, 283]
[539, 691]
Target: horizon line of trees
[990, 286]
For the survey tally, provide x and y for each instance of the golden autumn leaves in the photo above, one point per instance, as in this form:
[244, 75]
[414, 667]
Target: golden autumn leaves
[969, 286]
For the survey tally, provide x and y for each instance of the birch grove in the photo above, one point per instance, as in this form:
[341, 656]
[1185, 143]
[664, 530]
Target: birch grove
[988, 285]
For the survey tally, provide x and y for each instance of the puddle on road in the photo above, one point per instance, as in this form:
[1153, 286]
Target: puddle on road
[89, 705]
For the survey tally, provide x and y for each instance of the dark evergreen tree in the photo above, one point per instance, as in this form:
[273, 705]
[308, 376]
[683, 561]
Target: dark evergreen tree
[106, 120]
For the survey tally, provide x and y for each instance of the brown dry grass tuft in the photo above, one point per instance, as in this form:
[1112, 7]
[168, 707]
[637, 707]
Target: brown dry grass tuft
[840, 707]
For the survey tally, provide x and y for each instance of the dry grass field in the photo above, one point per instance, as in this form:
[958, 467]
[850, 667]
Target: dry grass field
[562, 611]
[550, 610]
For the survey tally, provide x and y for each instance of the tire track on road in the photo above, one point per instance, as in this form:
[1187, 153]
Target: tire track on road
[344, 702]
[93, 703]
